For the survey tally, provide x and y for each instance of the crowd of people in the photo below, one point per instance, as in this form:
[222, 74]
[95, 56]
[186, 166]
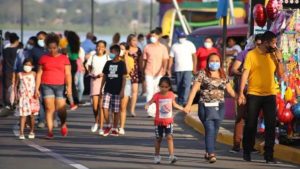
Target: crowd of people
[51, 70]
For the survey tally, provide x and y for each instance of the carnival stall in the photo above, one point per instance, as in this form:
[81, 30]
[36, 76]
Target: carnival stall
[283, 18]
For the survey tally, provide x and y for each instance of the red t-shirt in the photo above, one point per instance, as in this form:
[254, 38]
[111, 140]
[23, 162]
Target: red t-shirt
[164, 113]
[202, 54]
[53, 69]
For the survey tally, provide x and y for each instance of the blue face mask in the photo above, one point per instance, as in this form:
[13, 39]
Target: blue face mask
[112, 56]
[214, 66]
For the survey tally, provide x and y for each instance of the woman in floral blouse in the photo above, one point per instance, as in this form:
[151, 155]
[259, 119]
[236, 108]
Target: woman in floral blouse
[212, 83]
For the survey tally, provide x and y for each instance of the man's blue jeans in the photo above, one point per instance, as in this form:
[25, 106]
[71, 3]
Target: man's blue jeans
[183, 82]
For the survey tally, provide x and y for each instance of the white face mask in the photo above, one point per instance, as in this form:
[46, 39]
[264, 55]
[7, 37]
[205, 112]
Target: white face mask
[41, 43]
[122, 52]
[29, 47]
[153, 39]
[208, 45]
[182, 40]
[27, 68]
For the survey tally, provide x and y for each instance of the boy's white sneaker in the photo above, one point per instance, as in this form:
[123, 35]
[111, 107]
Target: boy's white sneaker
[157, 159]
[94, 127]
[31, 136]
[101, 132]
[121, 131]
[172, 159]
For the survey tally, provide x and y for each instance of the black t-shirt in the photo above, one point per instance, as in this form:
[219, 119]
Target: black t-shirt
[36, 53]
[114, 72]
[9, 57]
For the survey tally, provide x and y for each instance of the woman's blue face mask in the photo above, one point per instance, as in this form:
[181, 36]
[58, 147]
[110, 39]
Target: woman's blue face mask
[214, 66]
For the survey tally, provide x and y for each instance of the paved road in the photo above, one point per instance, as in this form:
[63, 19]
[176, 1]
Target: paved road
[85, 150]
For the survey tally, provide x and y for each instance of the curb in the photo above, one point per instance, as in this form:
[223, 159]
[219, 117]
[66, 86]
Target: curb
[281, 152]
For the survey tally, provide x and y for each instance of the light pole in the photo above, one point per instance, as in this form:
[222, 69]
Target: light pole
[92, 16]
[151, 14]
[22, 19]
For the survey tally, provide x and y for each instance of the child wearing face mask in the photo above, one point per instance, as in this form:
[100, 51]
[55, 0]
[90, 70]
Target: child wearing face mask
[25, 84]
[113, 83]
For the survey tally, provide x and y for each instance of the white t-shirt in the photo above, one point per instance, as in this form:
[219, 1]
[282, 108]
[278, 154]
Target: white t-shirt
[81, 54]
[235, 47]
[97, 64]
[183, 55]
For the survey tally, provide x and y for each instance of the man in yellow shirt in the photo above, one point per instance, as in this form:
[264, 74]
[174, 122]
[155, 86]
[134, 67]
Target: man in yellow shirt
[260, 67]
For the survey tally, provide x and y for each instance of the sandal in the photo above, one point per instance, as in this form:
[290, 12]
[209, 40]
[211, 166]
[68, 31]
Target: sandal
[212, 158]
[206, 156]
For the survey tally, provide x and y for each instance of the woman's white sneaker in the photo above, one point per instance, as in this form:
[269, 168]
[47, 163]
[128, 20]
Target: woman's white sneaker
[101, 132]
[31, 136]
[121, 131]
[94, 127]
[172, 159]
[157, 159]
[21, 137]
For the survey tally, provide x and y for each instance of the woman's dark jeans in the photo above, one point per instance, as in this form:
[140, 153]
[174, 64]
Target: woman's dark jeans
[211, 119]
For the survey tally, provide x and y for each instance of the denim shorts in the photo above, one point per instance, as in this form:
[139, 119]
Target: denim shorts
[53, 91]
[127, 89]
[161, 131]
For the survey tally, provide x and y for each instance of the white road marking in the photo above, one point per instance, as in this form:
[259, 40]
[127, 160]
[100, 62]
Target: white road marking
[79, 166]
[50, 152]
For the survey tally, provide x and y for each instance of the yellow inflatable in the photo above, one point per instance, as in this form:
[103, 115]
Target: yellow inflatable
[288, 96]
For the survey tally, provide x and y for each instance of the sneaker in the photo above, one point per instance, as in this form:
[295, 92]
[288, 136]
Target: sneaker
[234, 150]
[31, 136]
[101, 132]
[121, 131]
[64, 131]
[50, 136]
[83, 103]
[55, 123]
[21, 137]
[206, 156]
[94, 127]
[41, 125]
[132, 114]
[106, 131]
[172, 159]
[114, 132]
[73, 107]
[157, 159]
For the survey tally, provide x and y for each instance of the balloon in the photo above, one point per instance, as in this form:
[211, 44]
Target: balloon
[286, 116]
[296, 110]
[260, 15]
[280, 104]
[272, 9]
[288, 94]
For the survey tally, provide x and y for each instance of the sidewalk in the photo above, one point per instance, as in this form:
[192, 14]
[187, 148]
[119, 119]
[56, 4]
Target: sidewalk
[282, 152]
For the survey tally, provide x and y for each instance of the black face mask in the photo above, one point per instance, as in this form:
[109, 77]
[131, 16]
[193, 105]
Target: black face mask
[271, 49]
